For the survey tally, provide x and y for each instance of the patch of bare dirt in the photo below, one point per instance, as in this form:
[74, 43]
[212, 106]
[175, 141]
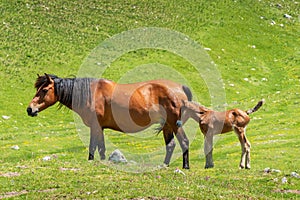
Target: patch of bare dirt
[10, 174]
[13, 194]
[156, 198]
[288, 191]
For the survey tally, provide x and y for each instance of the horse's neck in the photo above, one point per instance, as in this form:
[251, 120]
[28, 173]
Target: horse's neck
[64, 91]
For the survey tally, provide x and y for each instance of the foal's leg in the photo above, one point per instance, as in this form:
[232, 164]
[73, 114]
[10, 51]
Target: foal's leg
[248, 147]
[184, 144]
[208, 149]
[170, 144]
[245, 145]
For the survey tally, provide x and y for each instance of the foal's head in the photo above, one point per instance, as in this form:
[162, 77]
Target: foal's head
[45, 95]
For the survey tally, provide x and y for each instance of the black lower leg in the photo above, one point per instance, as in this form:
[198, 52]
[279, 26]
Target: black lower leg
[91, 156]
[185, 159]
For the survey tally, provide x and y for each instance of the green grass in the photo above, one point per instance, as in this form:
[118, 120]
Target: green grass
[56, 36]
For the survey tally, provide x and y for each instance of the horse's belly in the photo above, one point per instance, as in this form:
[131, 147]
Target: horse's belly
[131, 121]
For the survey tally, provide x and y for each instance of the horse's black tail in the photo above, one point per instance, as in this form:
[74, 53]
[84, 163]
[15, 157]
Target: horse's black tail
[258, 105]
[187, 92]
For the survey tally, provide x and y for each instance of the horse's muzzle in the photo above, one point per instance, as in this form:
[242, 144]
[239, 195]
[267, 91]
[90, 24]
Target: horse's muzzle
[31, 113]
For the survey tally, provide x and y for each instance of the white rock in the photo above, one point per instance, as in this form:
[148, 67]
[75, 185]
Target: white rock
[15, 147]
[294, 174]
[264, 79]
[46, 158]
[5, 117]
[276, 170]
[117, 157]
[284, 180]
[178, 171]
[267, 170]
[273, 22]
[287, 16]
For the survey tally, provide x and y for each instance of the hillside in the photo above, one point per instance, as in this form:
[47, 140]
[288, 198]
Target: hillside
[253, 44]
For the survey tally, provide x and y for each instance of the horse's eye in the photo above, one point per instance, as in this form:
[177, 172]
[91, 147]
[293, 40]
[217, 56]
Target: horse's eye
[45, 90]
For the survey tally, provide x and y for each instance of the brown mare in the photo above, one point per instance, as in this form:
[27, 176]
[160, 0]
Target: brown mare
[127, 108]
[213, 122]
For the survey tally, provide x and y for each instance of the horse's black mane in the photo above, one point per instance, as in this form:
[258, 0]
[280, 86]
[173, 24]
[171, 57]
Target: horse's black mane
[71, 92]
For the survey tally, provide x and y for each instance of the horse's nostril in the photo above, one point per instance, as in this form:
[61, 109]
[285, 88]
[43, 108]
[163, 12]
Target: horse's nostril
[29, 111]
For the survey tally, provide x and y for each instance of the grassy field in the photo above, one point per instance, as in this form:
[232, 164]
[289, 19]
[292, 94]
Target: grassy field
[255, 49]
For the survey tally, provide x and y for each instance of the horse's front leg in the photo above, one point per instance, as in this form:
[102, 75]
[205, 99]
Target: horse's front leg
[208, 150]
[96, 140]
[184, 144]
[101, 145]
[93, 143]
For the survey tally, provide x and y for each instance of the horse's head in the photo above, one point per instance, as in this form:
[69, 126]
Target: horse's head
[45, 95]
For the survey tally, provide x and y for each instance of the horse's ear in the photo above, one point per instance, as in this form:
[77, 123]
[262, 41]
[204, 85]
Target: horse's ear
[38, 75]
[49, 79]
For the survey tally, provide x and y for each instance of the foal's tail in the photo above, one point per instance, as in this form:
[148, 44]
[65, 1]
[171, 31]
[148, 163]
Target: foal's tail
[258, 105]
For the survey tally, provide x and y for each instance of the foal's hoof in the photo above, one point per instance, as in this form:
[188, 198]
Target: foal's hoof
[243, 167]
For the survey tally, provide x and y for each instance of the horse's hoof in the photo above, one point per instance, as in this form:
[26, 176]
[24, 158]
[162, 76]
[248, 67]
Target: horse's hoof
[186, 167]
[209, 166]
[91, 157]
[163, 166]
[102, 158]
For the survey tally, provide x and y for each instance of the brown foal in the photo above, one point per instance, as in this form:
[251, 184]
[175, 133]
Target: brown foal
[212, 123]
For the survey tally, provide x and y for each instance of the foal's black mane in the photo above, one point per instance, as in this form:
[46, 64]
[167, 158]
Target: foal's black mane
[71, 92]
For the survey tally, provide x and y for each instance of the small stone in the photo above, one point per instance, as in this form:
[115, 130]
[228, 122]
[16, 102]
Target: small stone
[284, 180]
[117, 157]
[294, 174]
[267, 170]
[46, 158]
[15, 147]
[178, 171]
[287, 16]
[5, 117]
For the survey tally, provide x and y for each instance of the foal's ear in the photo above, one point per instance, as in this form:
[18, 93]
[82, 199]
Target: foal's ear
[49, 79]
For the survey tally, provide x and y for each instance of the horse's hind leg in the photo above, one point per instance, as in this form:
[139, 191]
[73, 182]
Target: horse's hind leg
[208, 149]
[170, 144]
[184, 144]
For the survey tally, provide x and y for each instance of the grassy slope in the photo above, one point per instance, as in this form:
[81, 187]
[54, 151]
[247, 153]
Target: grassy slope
[55, 37]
